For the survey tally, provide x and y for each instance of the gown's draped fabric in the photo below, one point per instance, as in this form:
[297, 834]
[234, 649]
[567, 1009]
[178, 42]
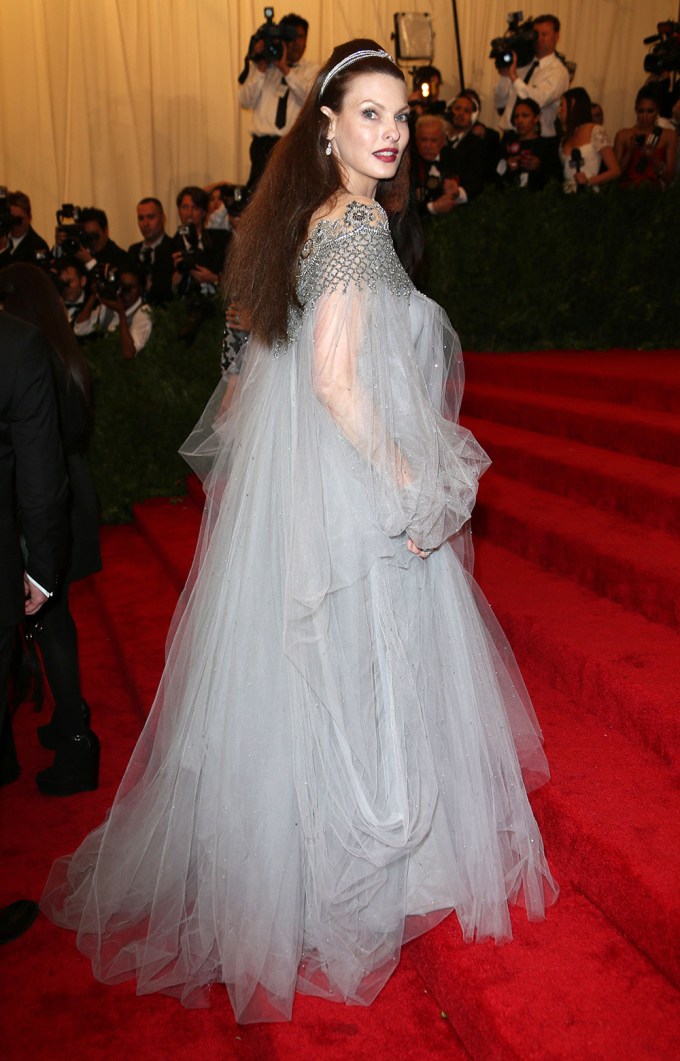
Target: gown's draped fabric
[334, 758]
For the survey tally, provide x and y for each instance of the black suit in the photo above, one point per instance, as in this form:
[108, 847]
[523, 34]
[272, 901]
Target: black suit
[159, 271]
[33, 490]
[467, 163]
[111, 254]
[25, 251]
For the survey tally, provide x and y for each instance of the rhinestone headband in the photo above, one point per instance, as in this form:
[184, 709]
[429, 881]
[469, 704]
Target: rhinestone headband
[368, 53]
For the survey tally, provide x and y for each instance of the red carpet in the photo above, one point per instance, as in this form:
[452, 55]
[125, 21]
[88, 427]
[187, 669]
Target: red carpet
[577, 549]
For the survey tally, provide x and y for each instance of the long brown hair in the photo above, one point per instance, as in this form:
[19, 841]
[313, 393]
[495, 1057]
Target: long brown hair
[28, 293]
[262, 265]
[579, 111]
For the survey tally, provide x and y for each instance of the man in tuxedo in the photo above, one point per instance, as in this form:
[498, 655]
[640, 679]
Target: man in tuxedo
[22, 244]
[33, 493]
[73, 287]
[153, 253]
[431, 190]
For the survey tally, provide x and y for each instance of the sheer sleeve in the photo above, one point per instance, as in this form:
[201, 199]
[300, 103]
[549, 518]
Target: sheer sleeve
[381, 359]
[599, 138]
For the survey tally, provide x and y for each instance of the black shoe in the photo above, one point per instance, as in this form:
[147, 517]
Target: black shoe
[16, 918]
[75, 767]
[49, 735]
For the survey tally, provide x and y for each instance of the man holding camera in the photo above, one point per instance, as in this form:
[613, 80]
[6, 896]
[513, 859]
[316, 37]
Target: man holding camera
[276, 85]
[92, 233]
[544, 80]
[116, 305]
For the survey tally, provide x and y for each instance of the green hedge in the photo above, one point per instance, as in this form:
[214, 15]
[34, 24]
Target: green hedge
[144, 409]
[539, 271]
[514, 270]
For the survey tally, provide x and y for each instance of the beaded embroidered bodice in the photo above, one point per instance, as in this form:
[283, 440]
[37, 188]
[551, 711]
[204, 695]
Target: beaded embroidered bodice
[356, 249]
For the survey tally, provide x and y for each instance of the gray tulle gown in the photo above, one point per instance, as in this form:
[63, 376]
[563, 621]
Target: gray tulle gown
[333, 762]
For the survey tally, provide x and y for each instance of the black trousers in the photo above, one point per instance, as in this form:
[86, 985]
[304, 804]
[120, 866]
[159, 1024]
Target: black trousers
[260, 149]
[9, 766]
[57, 638]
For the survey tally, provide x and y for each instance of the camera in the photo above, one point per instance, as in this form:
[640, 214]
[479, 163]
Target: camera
[235, 198]
[106, 282]
[68, 222]
[274, 37]
[187, 242]
[520, 38]
[664, 57]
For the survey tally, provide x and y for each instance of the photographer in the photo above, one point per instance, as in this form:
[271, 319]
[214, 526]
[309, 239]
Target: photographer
[72, 286]
[276, 85]
[92, 234]
[544, 80]
[22, 243]
[424, 99]
[116, 304]
[198, 255]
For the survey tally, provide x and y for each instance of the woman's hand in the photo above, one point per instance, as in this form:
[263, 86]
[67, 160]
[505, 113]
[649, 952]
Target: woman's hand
[413, 548]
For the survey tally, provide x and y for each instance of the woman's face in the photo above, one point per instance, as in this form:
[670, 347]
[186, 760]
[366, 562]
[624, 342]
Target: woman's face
[647, 113]
[562, 111]
[370, 132]
[215, 200]
[524, 120]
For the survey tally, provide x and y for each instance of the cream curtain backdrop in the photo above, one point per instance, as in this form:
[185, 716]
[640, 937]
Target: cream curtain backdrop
[104, 101]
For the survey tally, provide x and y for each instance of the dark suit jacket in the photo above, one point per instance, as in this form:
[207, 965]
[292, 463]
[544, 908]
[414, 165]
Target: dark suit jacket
[33, 486]
[26, 250]
[159, 271]
[467, 163]
[112, 254]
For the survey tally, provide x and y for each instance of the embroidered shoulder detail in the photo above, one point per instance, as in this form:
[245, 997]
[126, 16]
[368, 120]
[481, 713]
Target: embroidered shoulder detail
[354, 249]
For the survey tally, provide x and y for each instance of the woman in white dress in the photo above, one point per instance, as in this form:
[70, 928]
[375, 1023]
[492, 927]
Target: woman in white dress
[586, 154]
[333, 762]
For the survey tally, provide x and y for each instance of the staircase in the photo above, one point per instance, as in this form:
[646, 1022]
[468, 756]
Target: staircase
[578, 550]
[577, 546]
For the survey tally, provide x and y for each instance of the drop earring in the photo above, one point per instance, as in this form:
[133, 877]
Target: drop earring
[329, 147]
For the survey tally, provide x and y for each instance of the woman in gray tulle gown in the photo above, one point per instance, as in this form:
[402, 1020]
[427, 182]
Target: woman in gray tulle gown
[334, 760]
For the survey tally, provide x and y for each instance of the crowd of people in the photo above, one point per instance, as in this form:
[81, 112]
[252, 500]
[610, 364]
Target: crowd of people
[547, 131]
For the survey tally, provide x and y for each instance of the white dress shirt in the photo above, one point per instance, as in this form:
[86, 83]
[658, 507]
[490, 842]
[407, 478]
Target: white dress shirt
[105, 319]
[262, 89]
[547, 85]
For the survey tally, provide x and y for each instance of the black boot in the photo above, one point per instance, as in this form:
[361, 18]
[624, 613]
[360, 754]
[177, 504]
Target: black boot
[75, 767]
[49, 735]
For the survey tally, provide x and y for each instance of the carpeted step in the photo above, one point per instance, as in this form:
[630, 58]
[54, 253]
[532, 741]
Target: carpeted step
[650, 380]
[646, 433]
[597, 549]
[170, 526]
[645, 491]
[138, 599]
[601, 994]
[195, 490]
[609, 818]
[606, 659]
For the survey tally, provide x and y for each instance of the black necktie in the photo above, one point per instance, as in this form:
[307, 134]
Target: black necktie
[527, 76]
[280, 119]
